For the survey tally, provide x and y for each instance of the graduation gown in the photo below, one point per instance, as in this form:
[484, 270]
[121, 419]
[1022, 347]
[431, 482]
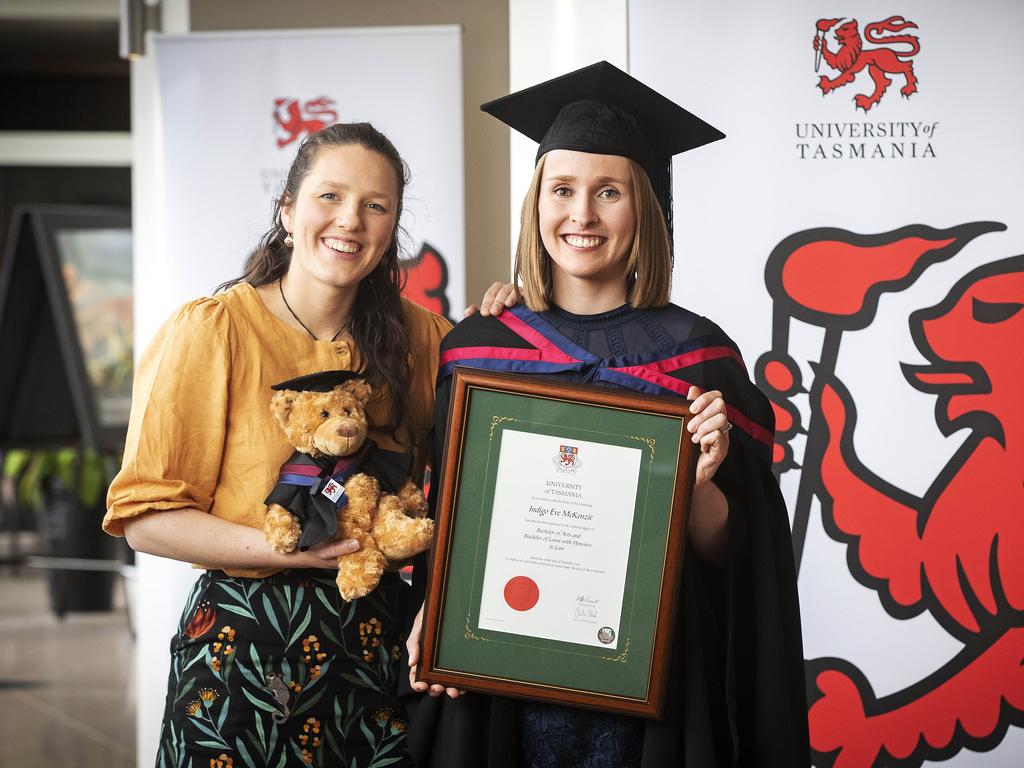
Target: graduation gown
[303, 479]
[736, 691]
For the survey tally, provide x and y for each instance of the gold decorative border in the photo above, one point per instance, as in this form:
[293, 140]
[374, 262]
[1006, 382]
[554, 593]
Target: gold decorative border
[496, 420]
[622, 657]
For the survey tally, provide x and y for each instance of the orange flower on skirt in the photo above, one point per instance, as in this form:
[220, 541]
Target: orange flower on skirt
[202, 620]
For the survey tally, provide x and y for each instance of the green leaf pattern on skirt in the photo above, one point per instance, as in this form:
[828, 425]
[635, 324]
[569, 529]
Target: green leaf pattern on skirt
[282, 672]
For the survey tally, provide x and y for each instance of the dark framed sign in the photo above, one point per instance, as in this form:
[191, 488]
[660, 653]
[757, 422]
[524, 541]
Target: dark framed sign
[66, 327]
[560, 533]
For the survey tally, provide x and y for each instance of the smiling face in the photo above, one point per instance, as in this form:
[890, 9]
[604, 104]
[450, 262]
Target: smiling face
[343, 217]
[585, 213]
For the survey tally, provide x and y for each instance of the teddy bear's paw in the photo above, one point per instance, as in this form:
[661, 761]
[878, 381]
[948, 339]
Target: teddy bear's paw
[351, 589]
[362, 492]
[414, 503]
[360, 573]
[362, 485]
[400, 537]
[282, 529]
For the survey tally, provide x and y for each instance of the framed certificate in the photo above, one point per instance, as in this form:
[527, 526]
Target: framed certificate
[560, 533]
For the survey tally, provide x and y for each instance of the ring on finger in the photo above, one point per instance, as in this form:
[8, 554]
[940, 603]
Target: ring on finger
[728, 426]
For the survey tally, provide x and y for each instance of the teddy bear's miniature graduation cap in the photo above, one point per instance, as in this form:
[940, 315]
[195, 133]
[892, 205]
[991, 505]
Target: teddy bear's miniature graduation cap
[602, 110]
[324, 381]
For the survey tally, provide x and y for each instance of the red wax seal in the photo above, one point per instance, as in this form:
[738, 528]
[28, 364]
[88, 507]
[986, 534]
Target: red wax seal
[521, 593]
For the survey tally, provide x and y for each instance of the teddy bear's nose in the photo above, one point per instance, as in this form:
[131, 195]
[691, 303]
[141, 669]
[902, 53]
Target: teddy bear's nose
[347, 429]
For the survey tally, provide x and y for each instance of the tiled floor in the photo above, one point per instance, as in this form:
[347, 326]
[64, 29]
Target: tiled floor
[65, 685]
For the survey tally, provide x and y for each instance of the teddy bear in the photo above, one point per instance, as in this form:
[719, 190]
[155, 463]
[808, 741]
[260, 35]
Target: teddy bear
[337, 484]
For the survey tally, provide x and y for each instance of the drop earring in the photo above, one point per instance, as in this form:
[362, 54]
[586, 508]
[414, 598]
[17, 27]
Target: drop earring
[288, 240]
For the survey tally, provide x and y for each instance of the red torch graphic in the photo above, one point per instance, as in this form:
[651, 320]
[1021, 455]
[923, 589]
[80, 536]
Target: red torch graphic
[823, 26]
[833, 279]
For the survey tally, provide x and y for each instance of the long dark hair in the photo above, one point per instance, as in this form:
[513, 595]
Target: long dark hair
[377, 323]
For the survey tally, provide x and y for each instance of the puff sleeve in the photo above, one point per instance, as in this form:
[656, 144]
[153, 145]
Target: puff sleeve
[176, 431]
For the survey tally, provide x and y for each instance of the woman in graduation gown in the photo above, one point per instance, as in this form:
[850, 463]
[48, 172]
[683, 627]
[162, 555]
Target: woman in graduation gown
[594, 269]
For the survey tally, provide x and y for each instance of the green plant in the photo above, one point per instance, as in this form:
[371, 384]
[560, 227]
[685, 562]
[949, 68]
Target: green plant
[86, 470]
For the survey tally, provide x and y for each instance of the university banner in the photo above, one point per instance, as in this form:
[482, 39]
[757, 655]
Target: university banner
[859, 234]
[230, 112]
[235, 107]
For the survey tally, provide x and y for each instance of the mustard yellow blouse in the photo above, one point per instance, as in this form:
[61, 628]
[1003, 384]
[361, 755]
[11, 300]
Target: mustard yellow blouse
[201, 433]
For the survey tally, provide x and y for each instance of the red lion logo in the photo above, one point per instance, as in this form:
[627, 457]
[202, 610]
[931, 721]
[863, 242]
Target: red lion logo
[426, 280]
[852, 57]
[295, 120]
[957, 552]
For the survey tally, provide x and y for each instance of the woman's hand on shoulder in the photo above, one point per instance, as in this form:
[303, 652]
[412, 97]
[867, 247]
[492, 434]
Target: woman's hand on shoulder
[495, 300]
[710, 427]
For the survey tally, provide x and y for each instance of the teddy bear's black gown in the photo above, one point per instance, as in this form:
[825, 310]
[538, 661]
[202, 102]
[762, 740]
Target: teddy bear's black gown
[736, 693]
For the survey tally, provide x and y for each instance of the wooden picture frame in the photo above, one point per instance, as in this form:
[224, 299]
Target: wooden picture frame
[561, 526]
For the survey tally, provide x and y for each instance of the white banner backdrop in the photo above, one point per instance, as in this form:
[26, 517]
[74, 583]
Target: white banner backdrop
[235, 107]
[857, 233]
[230, 112]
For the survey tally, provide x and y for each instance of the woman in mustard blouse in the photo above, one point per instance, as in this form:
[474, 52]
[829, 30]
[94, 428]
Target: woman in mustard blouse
[269, 665]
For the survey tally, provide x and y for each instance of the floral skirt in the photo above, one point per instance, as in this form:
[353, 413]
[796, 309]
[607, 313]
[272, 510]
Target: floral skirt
[282, 672]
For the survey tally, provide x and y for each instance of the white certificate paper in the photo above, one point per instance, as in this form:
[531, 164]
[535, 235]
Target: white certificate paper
[559, 541]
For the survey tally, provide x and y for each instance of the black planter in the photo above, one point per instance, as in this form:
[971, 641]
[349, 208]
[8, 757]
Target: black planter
[69, 530]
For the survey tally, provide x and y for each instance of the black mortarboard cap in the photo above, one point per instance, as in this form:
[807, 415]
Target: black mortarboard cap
[601, 109]
[324, 381]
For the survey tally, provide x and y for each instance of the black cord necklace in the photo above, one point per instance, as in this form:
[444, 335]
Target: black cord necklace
[288, 306]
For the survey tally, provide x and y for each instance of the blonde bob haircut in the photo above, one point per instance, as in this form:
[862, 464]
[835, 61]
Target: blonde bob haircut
[649, 265]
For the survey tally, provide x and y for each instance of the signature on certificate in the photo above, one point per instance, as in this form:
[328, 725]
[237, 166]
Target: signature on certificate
[586, 607]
